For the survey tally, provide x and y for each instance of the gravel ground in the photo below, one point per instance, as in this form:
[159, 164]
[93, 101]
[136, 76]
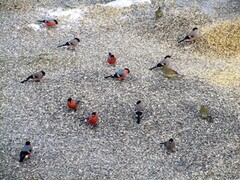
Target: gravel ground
[118, 148]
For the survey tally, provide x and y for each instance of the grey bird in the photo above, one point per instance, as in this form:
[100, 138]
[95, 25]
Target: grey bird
[35, 77]
[120, 75]
[170, 145]
[71, 44]
[191, 36]
[164, 62]
[138, 111]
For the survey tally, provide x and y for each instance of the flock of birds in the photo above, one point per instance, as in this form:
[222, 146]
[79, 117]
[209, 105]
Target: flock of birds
[119, 75]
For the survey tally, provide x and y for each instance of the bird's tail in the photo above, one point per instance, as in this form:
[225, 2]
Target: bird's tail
[153, 68]
[82, 120]
[41, 21]
[162, 143]
[30, 77]
[108, 76]
[138, 116]
[138, 119]
[181, 40]
[66, 44]
[24, 81]
[22, 156]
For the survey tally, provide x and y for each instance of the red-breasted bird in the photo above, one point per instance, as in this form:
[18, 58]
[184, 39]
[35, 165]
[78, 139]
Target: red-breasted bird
[35, 77]
[26, 151]
[139, 111]
[111, 59]
[71, 44]
[72, 104]
[170, 145]
[120, 75]
[92, 119]
[191, 36]
[49, 22]
[163, 62]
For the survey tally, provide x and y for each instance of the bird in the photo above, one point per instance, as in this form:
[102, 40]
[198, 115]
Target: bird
[72, 104]
[163, 62]
[26, 151]
[191, 36]
[35, 77]
[49, 22]
[92, 119]
[120, 75]
[170, 145]
[169, 72]
[158, 13]
[204, 114]
[71, 44]
[111, 59]
[138, 111]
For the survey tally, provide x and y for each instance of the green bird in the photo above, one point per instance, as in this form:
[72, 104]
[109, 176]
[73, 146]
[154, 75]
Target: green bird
[204, 114]
[158, 13]
[169, 72]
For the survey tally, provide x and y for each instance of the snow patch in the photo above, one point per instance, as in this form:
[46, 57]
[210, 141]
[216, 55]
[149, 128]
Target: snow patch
[58, 13]
[35, 27]
[126, 3]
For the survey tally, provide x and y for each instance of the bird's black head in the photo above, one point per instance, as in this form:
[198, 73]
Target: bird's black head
[127, 70]
[139, 102]
[171, 140]
[94, 113]
[110, 54]
[194, 29]
[43, 73]
[28, 143]
[168, 56]
[77, 39]
[55, 21]
[69, 99]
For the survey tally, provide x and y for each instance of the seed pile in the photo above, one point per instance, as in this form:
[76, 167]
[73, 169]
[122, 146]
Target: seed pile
[118, 148]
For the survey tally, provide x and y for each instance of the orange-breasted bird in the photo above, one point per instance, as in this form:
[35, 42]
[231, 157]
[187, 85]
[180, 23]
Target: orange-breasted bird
[92, 119]
[111, 59]
[71, 44]
[120, 75]
[49, 22]
[36, 77]
[191, 36]
[163, 62]
[72, 104]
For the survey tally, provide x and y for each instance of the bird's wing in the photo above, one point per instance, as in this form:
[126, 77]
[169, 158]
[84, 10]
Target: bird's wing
[48, 20]
[165, 62]
[38, 75]
[120, 73]
[138, 108]
[73, 42]
[192, 34]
